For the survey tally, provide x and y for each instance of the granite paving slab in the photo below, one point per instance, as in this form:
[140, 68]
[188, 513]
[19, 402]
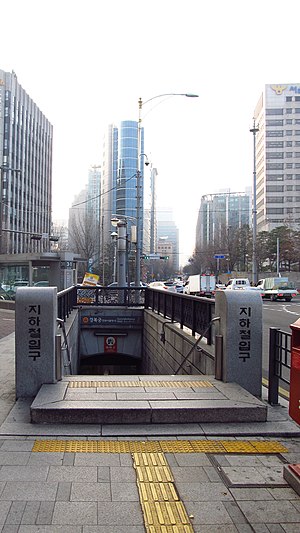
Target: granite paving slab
[270, 512]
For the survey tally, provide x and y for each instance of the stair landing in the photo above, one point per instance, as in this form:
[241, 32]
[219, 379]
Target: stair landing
[145, 400]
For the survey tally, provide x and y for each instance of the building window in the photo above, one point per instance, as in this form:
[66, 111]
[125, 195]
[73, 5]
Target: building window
[289, 165]
[274, 177]
[288, 154]
[274, 144]
[274, 155]
[289, 187]
[275, 188]
[297, 132]
[289, 132]
[289, 111]
[289, 121]
[274, 133]
[274, 111]
[274, 122]
[274, 211]
[297, 109]
[274, 166]
[275, 200]
[288, 98]
[288, 143]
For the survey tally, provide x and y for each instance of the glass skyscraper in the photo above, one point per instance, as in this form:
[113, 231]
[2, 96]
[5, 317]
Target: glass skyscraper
[119, 180]
[224, 209]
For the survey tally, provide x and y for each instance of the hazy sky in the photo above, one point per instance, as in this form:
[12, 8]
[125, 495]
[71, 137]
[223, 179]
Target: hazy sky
[86, 64]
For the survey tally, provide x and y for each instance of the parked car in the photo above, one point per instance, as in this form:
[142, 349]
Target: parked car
[4, 295]
[42, 283]
[162, 285]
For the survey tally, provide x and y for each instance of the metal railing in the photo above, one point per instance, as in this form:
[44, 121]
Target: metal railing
[105, 296]
[279, 362]
[190, 311]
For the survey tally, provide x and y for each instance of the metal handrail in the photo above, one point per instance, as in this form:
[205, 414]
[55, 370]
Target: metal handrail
[279, 361]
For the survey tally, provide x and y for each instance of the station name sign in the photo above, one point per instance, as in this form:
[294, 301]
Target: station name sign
[95, 320]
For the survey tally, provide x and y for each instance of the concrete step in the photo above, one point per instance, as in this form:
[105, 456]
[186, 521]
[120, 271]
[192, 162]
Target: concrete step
[291, 474]
[145, 400]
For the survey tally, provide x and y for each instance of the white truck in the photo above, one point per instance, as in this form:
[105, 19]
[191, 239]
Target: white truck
[200, 285]
[277, 289]
[238, 284]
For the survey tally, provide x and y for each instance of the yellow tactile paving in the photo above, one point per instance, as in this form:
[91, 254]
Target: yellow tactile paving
[157, 491]
[168, 446]
[162, 509]
[122, 384]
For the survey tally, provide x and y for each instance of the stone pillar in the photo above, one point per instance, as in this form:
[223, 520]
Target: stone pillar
[240, 325]
[36, 314]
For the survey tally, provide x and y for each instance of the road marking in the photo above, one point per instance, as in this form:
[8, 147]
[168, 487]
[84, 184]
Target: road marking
[290, 312]
[284, 393]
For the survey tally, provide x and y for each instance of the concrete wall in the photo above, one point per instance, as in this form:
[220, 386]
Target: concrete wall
[72, 331]
[165, 358]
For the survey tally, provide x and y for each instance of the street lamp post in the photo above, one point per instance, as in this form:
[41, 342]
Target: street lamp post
[254, 130]
[138, 181]
[114, 236]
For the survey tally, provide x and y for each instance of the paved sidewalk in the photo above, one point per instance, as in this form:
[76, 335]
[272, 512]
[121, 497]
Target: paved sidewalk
[136, 478]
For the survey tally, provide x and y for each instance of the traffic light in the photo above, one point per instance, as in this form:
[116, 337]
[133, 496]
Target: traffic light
[164, 257]
[145, 257]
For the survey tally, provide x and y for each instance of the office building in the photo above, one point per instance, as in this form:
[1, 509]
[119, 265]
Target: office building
[277, 115]
[220, 211]
[119, 180]
[167, 231]
[25, 170]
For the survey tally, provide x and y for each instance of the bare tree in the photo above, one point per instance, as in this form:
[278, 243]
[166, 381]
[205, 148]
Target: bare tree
[84, 238]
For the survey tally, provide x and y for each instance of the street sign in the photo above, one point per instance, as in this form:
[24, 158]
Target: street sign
[219, 256]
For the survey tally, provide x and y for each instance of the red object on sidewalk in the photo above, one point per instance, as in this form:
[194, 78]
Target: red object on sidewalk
[295, 469]
[294, 404]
